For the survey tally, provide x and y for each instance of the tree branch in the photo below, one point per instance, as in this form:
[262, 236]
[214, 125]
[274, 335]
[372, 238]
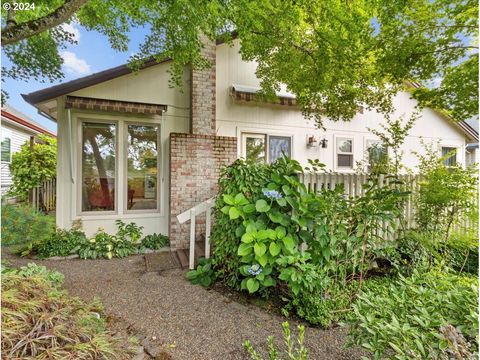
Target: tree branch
[17, 32]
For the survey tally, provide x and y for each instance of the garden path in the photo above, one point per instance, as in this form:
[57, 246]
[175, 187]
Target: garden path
[177, 318]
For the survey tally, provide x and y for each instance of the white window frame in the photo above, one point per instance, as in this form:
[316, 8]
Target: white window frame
[7, 134]
[352, 153]
[125, 167]
[80, 169]
[262, 135]
[457, 152]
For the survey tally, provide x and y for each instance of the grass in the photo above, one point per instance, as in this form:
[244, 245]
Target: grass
[41, 321]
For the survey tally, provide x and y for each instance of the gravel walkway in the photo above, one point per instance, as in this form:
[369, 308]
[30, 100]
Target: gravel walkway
[177, 318]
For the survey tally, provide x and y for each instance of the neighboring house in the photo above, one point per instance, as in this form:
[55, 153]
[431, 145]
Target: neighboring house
[16, 130]
[131, 147]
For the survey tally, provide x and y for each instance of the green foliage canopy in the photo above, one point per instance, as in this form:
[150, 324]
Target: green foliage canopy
[32, 165]
[334, 55]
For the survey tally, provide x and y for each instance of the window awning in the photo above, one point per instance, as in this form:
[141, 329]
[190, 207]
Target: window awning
[252, 94]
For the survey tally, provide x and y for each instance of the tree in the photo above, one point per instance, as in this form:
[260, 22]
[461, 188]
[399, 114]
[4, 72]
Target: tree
[335, 55]
[32, 165]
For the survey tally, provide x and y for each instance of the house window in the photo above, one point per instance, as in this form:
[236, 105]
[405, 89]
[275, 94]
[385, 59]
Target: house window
[142, 167]
[451, 160]
[377, 153]
[98, 166]
[260, 148]
[345, 153]
[6, 146]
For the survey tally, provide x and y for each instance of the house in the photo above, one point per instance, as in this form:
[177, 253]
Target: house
[16, 129]
[130, 147]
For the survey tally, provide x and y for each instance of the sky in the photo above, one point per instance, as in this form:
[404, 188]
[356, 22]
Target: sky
[91, 54]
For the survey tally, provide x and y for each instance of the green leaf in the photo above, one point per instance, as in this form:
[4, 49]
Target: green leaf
[244, 249]
[252, 285]
[248, 237]
[289, 243]
[281, 232]
[266, 234]
[240, 199]
[275, 216]
[233, 213]
[274, 248]
[225, 209]
[228, 199]
[269, 281]
[263, 260]
[259, 249]
[282, 202]
[262, 206]
[248, 209]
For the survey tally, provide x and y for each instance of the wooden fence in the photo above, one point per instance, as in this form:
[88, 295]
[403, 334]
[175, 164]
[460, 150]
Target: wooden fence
[44, 197]
[353, 186]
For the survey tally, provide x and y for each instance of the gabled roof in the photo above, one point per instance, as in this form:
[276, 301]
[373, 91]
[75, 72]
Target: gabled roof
[83, 82]
[15, 117]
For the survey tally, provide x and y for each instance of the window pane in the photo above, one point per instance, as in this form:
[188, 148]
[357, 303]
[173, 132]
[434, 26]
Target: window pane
[277, 146]
[452, 160]
[142, 167]
[6, 148]
[255, 149]
[98, 166]
[345, 160]
[344, 145]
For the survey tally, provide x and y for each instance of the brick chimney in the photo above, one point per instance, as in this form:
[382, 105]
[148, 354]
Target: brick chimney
[203, 93]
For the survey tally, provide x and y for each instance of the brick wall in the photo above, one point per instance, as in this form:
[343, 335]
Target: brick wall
[85, 103]
[203, 100]
[195, 162]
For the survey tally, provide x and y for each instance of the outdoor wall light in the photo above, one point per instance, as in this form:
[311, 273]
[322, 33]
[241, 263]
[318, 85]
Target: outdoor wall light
[311, 141]
[323, 143]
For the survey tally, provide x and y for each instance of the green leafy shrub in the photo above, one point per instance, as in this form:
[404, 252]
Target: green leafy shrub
[61, 243]
[203, 275]
[30, 166]
[295, 350]
[22, 224]
[40, 320]
[129, 232]
[248, 178]
[404, 317]
[155, 241]
[104, 245]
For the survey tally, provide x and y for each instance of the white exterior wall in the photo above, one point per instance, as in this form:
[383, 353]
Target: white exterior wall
[233, 118]
[148, 86]
[18, 137]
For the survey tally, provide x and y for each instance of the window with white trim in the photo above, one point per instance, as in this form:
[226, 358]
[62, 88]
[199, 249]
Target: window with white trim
[344, 153]
[451, 152]
[260, 148]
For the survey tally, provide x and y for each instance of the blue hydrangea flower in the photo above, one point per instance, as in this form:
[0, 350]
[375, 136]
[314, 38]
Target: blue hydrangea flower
[272, 194]
[255, 270]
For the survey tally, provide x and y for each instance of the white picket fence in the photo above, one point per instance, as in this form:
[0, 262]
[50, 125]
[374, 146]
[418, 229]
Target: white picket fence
[44, 197]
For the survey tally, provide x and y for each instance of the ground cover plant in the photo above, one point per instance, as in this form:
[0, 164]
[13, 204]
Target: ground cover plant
[40, 320]
[127, 241]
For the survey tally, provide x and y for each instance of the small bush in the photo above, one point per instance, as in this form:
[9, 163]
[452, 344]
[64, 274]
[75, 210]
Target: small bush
[155, 241]
[292, 352]
[31, 269]
[22, 224]
[61, 243]
[41, 321]
[203, 275]
[104, 245]
[405, 317]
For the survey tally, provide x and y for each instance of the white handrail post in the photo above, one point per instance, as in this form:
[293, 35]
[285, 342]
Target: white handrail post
[192, 240]
[207, 228]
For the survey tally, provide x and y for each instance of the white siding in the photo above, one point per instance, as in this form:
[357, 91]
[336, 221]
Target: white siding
[233, 118]
[18, 138]
[148, 86]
